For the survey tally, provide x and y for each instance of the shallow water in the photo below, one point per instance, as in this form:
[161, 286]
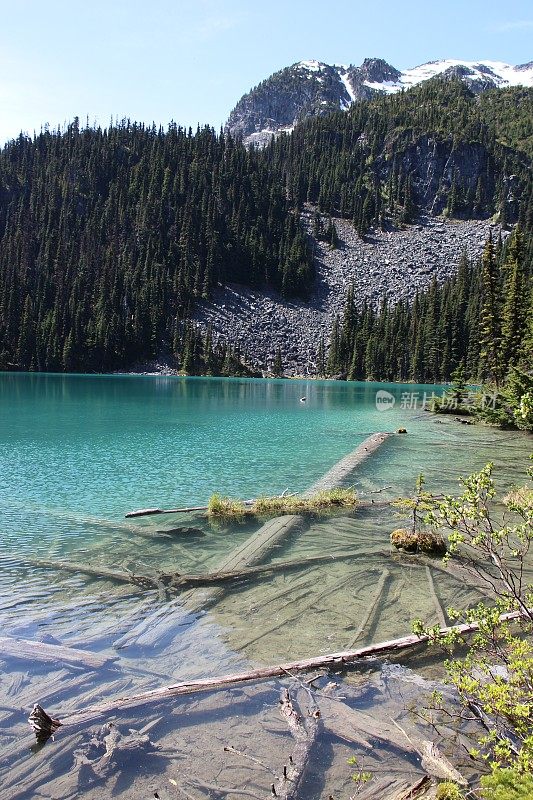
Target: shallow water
[77, 452]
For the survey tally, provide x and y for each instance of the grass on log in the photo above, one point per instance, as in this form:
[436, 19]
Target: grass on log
[273, 506]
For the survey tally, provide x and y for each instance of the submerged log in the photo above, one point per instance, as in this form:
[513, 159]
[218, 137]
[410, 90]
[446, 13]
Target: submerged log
[114, 575]
[26, 650]
[452, 567]
[316, 599]
[344, 468]
[155, 626]
[384, 579]
[178, 580]
[304, 732]
[331, 660]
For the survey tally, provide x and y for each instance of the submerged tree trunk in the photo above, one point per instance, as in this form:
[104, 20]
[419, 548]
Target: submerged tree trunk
[336, 660]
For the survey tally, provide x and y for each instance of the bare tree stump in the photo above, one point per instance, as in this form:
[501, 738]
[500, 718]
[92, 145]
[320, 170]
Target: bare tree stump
[42, 723]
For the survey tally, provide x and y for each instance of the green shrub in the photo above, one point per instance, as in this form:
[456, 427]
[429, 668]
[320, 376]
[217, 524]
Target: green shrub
[448, 791]
[507, 784]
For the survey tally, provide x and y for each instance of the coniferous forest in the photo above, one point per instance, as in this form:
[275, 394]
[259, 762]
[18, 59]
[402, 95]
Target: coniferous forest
[481, 320]
[108, 237]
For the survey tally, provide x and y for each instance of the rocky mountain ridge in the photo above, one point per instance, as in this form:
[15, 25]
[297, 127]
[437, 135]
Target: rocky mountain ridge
[313, 88]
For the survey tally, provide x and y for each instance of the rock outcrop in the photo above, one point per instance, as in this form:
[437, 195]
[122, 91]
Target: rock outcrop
[394, 263]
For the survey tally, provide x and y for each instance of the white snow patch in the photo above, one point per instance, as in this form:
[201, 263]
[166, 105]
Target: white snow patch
[347, 85]
[501, 73]
[312, 66]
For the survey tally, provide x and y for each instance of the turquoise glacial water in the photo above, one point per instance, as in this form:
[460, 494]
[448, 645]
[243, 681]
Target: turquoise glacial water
[77, 452]
[76, 449]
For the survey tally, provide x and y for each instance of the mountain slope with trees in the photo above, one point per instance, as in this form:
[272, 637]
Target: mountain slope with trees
[481, 321]
[108, 238]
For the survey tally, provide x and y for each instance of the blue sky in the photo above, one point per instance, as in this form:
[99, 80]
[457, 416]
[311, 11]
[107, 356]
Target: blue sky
[191, 61]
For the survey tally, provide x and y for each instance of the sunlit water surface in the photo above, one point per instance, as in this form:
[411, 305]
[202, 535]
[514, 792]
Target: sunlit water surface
[78, 452]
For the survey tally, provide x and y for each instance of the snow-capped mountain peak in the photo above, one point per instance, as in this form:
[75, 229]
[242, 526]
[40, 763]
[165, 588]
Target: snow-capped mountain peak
[311, 87]
[487, 74]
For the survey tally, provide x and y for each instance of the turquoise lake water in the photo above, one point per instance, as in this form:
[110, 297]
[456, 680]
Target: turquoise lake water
[77, 452]
[79, 448]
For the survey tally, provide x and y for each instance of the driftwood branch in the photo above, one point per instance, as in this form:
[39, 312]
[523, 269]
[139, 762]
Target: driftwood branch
[331, 660]
[304, 733]
[55, 654]
[384, 579]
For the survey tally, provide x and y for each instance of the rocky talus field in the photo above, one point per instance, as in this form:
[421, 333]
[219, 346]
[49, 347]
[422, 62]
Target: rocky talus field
[393, 263]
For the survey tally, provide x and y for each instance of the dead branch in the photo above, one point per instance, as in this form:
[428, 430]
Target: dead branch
[114, 575]
[304, 733]
[384, 579]
[248, 757]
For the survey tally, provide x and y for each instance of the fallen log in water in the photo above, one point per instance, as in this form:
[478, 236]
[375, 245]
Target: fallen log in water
[150, 631]
[51, 653]
[154, 627]
[114, 575]
[343, 468]
[184, 580]
[331, 660]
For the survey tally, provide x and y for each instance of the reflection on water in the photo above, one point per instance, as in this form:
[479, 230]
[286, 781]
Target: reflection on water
[77, 452]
